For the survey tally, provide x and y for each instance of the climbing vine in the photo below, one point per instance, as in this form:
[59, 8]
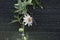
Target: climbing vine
[23, 17]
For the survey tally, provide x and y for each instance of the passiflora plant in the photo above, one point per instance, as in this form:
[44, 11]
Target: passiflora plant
[23, 17]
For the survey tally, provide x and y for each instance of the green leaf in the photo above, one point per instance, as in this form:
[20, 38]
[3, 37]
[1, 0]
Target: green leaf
[16, 6]
[29, 1]
[20, 3]
[33, 6]
[16, 11]
[13, 21]
[39, 3]
[19, 19]
[16, 17]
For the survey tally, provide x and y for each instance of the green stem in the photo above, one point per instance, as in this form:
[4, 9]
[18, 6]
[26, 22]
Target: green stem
[23, 34]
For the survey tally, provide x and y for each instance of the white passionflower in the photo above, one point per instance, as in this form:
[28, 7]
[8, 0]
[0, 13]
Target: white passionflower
[28, 20]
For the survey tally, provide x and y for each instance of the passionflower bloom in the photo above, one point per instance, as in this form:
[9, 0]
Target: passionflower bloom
[27, 20]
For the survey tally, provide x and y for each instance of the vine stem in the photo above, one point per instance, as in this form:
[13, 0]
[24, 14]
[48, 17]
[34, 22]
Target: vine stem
[23, 34]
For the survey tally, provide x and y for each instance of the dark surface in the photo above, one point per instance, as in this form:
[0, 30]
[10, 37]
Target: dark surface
[47, 21]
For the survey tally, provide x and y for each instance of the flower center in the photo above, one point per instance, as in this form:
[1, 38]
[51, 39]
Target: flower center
[29, 19]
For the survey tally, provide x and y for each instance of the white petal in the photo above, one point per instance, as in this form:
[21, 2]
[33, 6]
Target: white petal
[29, 24]
[24, 20]
[26, 23]
[25, 17]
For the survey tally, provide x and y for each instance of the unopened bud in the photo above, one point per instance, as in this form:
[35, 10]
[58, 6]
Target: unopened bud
[21, 29]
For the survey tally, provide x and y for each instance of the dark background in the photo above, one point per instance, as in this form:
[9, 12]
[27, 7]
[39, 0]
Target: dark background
[47, 20]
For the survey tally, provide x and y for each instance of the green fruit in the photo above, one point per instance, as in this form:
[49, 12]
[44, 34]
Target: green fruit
[21, 29]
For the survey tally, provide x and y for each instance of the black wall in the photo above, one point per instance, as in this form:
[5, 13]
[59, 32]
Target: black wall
[47, 21]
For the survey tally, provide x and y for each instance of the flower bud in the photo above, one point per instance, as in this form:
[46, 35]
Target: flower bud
[21, 29]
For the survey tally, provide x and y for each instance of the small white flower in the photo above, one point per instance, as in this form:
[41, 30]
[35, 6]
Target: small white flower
[28, 20]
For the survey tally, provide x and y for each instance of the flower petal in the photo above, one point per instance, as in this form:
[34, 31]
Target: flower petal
[26, 23]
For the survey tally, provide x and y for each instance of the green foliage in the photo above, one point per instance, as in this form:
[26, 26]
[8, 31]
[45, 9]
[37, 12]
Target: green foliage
[21, 7]
[38, 3]
[13, 21]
